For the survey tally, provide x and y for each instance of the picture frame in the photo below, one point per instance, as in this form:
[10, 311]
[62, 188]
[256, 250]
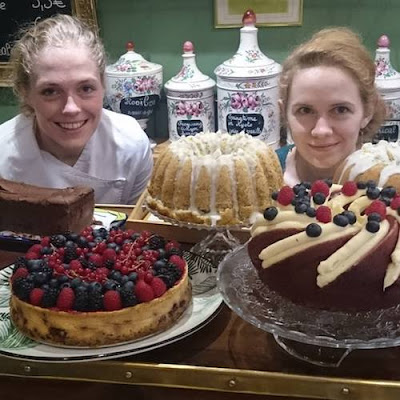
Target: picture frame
[84, 9]
[229, 13]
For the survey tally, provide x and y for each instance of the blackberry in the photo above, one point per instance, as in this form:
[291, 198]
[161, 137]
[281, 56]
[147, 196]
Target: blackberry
[173, 251]
[84, 262]
[70, 254]
[128, 297]
[95, 300]
[169, 274]
[22, 288]
[39, 278]
[156, 242]
[58, 240]
[82, 242]
[50, 297]
[81, 302]
[20, 262]
[109, 263]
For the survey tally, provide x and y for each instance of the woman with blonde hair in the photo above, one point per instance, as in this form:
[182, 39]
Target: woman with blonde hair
[329, 103]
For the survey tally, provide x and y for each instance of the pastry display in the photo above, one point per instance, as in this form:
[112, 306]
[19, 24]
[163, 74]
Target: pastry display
[378, 162]
[214, 179]
[330, 246]
[32, 209]
[99, 287]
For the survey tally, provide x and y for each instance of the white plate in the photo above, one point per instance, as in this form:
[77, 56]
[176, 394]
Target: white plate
[203, 309]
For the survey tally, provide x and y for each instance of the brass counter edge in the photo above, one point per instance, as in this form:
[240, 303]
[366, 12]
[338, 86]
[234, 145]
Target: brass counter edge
[205, 378]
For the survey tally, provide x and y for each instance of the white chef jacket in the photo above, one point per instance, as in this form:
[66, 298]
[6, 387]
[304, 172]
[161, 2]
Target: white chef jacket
[116, 162]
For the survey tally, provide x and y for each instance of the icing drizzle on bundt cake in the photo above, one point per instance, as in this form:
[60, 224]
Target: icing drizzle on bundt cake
[214, 179]
[337, 230]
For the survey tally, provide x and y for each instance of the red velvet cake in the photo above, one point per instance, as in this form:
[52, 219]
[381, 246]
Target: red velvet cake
[330, 246]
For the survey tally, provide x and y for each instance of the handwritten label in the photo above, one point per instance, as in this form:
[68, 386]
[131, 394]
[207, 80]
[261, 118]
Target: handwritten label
[253, 124]
[3, 6]
[189, 128]
[48, 4]
[388, 132]
[139, 107]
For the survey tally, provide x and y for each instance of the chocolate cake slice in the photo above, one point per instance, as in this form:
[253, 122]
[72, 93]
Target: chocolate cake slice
[36, 210]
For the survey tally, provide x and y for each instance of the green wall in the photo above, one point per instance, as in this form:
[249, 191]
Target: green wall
[159, 27]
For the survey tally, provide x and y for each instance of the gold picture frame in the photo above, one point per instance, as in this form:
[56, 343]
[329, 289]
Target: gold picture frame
[229, 13]
[84, 9]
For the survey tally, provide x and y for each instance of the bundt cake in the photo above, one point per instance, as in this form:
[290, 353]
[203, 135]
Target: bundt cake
[99, 288]
[330, 247]
[378, 162]
[214, 179]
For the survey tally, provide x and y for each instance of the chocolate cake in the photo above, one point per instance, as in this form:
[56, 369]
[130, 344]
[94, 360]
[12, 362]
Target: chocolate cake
[43, 211]
[331, 247]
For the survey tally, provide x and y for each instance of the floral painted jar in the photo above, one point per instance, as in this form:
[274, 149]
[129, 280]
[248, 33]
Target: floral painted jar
[133, 85]
[387, 81]
[190, 99]
[247, 89]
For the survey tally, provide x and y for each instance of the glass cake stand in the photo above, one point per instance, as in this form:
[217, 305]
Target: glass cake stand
[320, 337]
[213, 249]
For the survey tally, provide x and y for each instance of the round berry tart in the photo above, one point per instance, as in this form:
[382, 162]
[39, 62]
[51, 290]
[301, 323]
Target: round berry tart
[99, 287]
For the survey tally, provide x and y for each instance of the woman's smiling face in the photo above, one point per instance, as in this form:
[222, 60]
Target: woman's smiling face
[66, 94]
[325, 114]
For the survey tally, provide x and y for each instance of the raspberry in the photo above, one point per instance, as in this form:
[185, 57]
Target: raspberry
[144, 291]
[45, 242]
[109, 254]
[21, 272]
[320, 187]
[66, 298]
[172, 244]
[158, 286]
[36, 248]
[96, 259]
[395, 203]
[323, 214]
[178, 261]
[31, 255]
[349, 188]
[285, 195]
[378, 207]
[112, 300]
[35, 297]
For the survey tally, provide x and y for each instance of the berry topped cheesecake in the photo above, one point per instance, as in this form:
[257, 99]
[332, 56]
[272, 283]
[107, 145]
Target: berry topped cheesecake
[99, 287]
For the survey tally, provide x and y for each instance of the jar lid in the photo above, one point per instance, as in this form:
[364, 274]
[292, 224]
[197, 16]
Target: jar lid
[189, 78]
[386, 77]
[132, 63]
[248, 61]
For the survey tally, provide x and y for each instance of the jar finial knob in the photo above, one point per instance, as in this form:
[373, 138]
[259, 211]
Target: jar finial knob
[383, 41]
[249, 17]
[130, 46]
[188, 47]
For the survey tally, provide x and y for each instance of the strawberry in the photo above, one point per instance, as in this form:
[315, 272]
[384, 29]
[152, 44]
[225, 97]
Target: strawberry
[21, 272]
[66, 298]
[178, 261]
[158, 286]
[35, 296]
[144, 291]
[112, 300]
[320, 187]
[349, 188]
[323, 214]
[285, 195]
[378, 207]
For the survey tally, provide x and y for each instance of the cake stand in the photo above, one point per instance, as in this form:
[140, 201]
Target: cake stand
[212, 249]
[319, 337]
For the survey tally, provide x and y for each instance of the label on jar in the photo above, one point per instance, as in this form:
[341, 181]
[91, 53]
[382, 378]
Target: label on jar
[139, 107]
[389, 131]
[253, 124]
[189, 127]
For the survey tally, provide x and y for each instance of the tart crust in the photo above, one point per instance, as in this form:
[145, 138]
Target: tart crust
[102, 328]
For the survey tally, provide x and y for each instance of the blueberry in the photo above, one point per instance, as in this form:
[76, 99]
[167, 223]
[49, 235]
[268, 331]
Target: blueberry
[46, 250]
[385, 200]
[374, 217]
[274, 195]
[133, 276]
[160, 264]
[94, 286]
[124, 279]
[110, 285]
[91, 245]
[313, 230]
[373, 193]
[361, 185]
[300, 208]
[311, 212]
[76, 282]
[328, 182]
[297, 188]
[161, 253]
[34, 265]
[307, 185]
[115, 275]
[62, 279]
[128, 285]
[39, 278]
[70, 244]
[350, 216]
[373, 226]
[319, 198]
[340, 220]
[53, 283]
[371, 184]
[112, 245]
[388, 191]
[135, 235]
[270, 213]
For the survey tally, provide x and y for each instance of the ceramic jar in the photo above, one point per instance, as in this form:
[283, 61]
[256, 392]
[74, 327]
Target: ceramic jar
[133, 85]
[387, 80]
[190, 99]
[247, 89]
